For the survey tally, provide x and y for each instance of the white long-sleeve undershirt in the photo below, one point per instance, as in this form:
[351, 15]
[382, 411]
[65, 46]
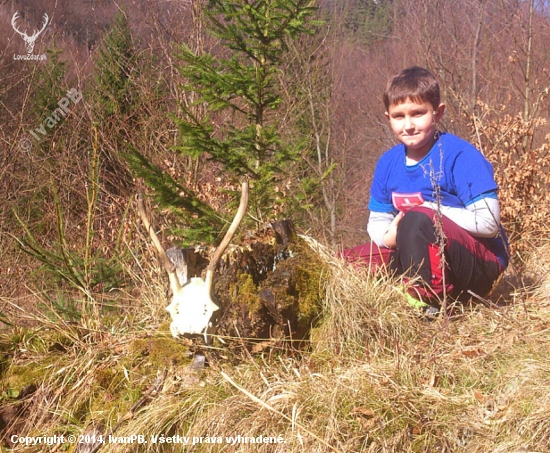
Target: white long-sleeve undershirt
[378, 225]
[481, 219]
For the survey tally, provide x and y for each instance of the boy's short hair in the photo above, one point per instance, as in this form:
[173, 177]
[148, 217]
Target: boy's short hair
[414, 83]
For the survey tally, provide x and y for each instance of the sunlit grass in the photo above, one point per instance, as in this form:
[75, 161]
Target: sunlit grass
[375, 377]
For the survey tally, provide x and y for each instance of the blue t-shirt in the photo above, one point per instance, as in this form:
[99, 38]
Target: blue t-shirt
[456, 166]
[462, 173]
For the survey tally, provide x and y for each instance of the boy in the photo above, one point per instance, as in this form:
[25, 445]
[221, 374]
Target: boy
[404, 222]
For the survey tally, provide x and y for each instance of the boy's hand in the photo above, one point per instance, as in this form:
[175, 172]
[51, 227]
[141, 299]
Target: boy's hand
[390, 238]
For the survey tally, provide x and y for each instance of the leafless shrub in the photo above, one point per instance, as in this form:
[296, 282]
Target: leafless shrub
[521, 170]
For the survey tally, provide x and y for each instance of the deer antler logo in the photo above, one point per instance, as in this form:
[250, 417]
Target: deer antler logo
[29, 40]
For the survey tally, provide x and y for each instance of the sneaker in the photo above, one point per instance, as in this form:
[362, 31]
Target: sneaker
[431, 312]
[428, 311]
[416, 303]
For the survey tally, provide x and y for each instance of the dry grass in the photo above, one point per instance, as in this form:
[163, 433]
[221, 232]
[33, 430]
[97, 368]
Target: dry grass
[538, 268]
[376, 378]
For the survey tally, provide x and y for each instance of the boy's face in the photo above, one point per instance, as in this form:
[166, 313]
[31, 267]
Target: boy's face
[414, 125]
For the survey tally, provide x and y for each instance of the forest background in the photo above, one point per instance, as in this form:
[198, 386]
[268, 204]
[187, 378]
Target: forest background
[325, 117]
[175, 105]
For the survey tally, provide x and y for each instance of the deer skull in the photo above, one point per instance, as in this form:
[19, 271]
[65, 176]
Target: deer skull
[29, 40]
[192, 306]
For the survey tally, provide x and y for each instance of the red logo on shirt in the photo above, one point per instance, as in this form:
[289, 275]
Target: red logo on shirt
[406, 201]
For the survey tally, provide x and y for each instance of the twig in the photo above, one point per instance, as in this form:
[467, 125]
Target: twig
[272, 409]
[435, 177]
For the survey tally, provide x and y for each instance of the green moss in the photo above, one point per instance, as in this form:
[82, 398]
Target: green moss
[110, 395]
[422, 443]
[310, 292]
[5, 362]
[161, 351]
[21, 376]
[164, 328]
[167, 351]
[36, 341]
[247, 292]
[113, 394]
[310, 289]
[526, 406]
[138, 346]
[107, 378]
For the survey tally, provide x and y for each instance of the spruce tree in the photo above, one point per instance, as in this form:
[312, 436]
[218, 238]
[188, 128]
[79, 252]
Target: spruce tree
[116, 69]
[50, 84]
[116, 101]
[50, 87]
[238, 85]
[368, 21]
[197, 222]
[117, 107]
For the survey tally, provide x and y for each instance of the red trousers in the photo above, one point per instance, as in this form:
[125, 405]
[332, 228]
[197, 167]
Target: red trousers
[470, 263]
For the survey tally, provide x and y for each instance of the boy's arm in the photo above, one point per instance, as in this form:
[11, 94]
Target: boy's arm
[378, 225]
[382, 211]
[480, 218]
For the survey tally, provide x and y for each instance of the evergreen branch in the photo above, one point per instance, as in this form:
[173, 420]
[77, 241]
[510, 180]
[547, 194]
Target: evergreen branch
[64, 247]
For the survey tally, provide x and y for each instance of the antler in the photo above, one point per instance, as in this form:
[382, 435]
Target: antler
[191, 307]
[211, 269]
[24, 34]
[169, 267]
[46, 18]
[13, 20]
